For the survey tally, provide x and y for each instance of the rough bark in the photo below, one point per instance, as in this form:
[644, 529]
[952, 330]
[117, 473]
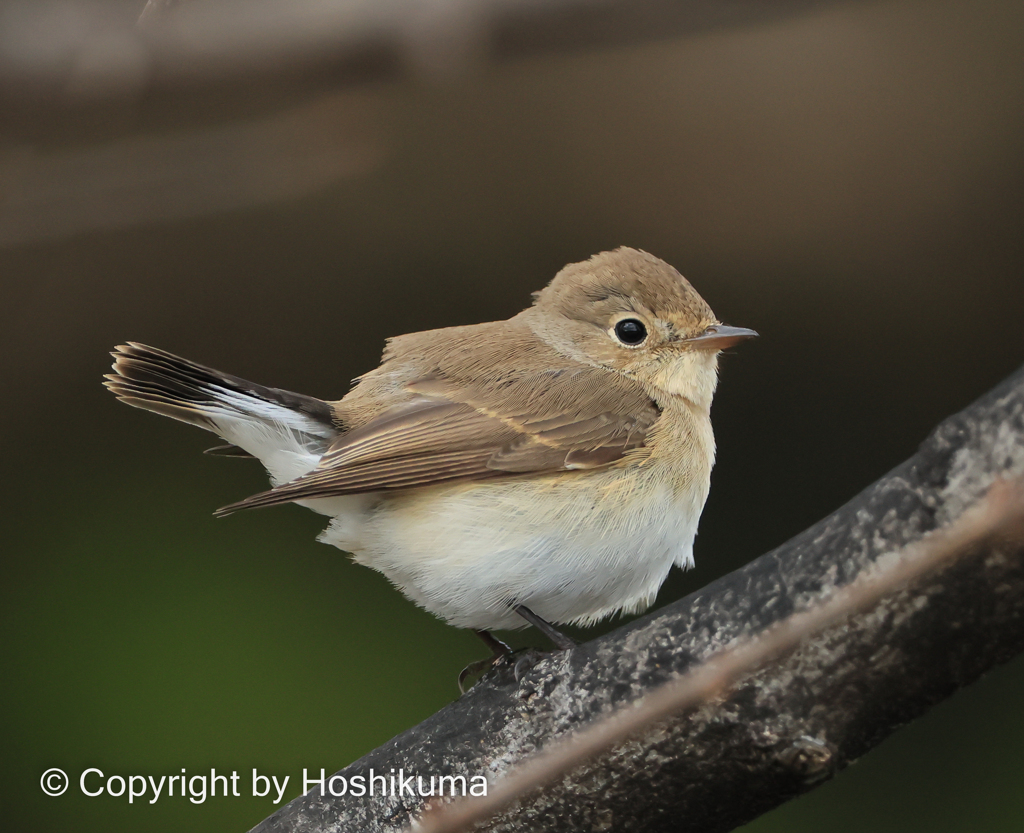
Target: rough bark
[790, 725]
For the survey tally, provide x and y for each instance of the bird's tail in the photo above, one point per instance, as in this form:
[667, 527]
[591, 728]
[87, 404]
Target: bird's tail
[287, 431]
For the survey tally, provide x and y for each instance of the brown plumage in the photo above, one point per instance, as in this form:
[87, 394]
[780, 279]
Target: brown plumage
[158, 381]
[571, 434]
[539, 416]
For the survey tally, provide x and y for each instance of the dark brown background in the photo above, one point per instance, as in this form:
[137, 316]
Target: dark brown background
[847, 181]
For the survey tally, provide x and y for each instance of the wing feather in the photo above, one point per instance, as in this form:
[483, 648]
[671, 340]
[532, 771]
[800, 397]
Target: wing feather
[532, 422]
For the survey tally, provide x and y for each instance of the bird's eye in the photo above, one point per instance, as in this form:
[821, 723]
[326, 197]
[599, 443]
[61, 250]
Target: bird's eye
[631, 332]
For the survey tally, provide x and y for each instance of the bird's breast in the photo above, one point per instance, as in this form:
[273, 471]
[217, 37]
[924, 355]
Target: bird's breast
[572, 546]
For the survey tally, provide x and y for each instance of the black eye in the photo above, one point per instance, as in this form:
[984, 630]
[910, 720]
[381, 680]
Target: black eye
[630, 331]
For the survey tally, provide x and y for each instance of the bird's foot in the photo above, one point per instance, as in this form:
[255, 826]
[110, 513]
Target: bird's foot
[481, 667]
[520, 661]
[525, 660]
[500, 654]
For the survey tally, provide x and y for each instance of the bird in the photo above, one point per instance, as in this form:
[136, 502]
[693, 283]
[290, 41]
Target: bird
[549, 469]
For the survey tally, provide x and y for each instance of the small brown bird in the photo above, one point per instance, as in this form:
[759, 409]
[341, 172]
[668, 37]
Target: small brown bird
[550, 468]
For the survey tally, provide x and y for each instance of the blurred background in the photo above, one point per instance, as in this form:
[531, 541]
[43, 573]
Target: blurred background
[846, 178]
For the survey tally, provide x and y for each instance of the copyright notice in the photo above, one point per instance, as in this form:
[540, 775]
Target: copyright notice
[198, 787]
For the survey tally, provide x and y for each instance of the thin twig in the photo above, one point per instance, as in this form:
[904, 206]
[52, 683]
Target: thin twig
[1001, 510]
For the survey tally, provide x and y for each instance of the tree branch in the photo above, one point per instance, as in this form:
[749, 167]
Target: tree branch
[782, 730]
[57, 53]
[215, 105]
[999, 513]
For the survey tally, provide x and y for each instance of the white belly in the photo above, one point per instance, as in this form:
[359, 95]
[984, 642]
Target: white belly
[573, 548]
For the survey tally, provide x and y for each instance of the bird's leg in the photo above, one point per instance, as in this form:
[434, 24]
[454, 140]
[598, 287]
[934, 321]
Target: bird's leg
[502, 652]
[561, 641]
[498, 648]
[499, 653]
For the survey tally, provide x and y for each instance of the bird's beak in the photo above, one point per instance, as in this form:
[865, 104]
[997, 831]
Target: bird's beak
[719, 336]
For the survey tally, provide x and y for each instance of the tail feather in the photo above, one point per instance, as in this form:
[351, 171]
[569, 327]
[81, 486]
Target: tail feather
[287, 431]
[148, 374]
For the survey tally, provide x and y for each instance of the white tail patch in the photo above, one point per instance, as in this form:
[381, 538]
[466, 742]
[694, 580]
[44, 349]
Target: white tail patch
[287, 442]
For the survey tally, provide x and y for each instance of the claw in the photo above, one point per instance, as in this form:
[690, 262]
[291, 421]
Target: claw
[527, 659]
[476, 667]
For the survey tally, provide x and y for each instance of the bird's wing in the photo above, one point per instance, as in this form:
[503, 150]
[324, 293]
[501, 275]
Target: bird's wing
[527, 422]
